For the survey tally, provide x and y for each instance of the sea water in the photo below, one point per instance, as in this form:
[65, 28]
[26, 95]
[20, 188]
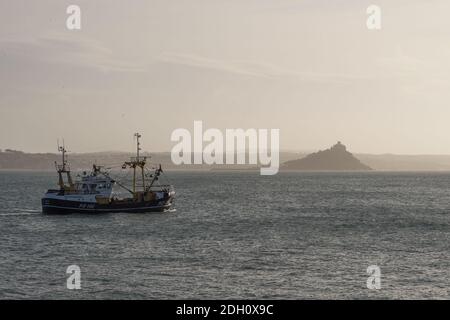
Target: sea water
[236, 235]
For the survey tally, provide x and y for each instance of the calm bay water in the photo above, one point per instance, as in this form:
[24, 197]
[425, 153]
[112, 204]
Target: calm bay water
[236, 235]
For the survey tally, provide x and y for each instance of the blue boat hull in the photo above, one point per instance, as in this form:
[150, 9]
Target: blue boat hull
[57, 206]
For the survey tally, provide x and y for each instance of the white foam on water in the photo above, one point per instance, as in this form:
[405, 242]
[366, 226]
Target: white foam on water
[21, 213]
[170, 210]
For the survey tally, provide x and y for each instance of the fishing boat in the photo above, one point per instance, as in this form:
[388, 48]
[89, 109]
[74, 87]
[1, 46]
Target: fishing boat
[98, 192]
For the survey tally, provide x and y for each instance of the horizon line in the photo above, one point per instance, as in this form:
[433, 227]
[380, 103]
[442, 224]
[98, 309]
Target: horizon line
[9, 150]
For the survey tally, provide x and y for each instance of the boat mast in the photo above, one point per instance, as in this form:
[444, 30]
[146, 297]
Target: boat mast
[63, 168]
[137, 162]
[141, 164]
[137, 135]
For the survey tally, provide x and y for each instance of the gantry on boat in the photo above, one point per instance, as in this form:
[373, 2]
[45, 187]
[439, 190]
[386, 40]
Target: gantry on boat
[98, 192]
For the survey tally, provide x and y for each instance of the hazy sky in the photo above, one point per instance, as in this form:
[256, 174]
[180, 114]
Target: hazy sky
[308, 67]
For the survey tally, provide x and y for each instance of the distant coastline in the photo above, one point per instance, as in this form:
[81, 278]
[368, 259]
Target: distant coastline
[22, 161]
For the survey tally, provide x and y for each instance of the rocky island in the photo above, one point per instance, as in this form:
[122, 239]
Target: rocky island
[335, 158]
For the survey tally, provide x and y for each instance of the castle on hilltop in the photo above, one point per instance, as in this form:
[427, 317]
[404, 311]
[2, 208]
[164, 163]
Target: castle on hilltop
[339, 147]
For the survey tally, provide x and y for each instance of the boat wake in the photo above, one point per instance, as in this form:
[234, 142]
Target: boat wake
[21, 212]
